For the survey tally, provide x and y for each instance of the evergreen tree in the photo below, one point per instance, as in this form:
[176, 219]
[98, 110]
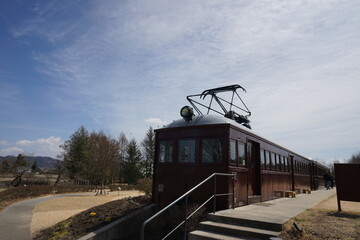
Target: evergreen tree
[148, 145]
[355, 158]
[132, 164]
[76, 154]
[34, 167]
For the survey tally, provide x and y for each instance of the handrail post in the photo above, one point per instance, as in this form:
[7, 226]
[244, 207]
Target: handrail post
[214, 194]
[186, 203]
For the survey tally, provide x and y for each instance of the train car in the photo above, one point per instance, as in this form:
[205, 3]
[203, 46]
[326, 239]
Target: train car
[192, 148]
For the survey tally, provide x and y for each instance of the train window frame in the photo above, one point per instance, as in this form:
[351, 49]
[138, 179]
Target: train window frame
[194, 152]
[221, 159]
[241, 161]
[172, 151]
[267, 160]
[262, 159]
[272, 159]
[280, 163]
[232, 152]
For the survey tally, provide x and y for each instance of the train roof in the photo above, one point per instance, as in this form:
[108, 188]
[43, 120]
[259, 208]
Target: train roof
[201, 120]
[204, 120]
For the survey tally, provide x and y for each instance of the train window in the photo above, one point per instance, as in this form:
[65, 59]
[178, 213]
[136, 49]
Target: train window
[280, 163]
[297, 167]
[289, 164]
[166, 151]
[276, 162]
[241, 154]
[232, 152]
[286, 164]
[267, 159]
[187, 150]
[211, 151]
[273, 163]
[262, 158]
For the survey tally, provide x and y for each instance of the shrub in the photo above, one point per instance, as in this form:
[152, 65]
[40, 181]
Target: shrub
[145, 185]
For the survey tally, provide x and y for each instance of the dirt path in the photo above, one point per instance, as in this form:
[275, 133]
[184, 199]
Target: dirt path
[48, 213]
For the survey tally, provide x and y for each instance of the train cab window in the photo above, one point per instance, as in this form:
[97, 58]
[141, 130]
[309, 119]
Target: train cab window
[187, 151]
[232, 152]
[262, 159]
[211, 150]
[241, 154]
[166, 151]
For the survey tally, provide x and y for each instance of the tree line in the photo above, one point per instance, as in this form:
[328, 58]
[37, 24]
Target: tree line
[97, 158]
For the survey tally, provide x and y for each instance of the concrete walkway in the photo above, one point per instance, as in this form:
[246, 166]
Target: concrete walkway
[15, 220]
[279, 210]
[257, 221]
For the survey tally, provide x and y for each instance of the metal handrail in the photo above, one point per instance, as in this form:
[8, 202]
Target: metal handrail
[142, 232]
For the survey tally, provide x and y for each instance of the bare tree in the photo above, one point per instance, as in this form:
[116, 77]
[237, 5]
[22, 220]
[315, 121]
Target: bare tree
[123, 143]
[104, 154]
[60, 169]
[355, 158]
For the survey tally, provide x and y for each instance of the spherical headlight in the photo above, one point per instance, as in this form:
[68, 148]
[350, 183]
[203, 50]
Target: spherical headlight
[187, 113]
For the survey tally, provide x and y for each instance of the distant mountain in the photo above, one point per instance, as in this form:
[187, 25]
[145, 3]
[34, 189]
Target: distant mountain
[42, 162]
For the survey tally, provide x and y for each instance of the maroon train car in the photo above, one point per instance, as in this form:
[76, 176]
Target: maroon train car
[189, 151]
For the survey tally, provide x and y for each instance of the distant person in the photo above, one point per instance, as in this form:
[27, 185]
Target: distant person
[327, 179]
[332, 182]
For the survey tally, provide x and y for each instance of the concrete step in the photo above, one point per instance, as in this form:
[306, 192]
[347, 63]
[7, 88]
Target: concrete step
[237, 231]
[202, 235]
[252, 223]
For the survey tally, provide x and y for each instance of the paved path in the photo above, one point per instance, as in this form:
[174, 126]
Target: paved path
[279, 210]
[15, 220]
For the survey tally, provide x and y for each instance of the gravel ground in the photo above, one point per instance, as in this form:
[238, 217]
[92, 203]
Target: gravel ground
[325, 222]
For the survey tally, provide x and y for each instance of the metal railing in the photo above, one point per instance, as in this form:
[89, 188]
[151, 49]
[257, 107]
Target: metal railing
[185, 195]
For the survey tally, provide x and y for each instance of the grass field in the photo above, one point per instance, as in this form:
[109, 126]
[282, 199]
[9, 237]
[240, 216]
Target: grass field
[325, 222]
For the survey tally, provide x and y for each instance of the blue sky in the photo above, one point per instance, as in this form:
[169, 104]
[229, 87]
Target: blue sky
[122, 66]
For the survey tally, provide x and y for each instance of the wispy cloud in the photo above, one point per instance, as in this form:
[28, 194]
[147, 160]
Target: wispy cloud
[124, 61]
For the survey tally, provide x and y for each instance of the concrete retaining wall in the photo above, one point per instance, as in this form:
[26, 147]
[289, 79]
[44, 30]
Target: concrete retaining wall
[125, 228]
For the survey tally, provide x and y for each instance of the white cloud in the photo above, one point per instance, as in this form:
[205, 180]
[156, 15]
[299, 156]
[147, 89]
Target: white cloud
[13, 151]
[156, 121]
[42, 147]
[3, 142]
[24, 143]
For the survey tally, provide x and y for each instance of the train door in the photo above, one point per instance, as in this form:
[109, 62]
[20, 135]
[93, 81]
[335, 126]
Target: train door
[254, 173]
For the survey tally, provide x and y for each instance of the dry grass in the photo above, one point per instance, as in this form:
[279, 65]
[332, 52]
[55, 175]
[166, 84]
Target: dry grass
[325, 222]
